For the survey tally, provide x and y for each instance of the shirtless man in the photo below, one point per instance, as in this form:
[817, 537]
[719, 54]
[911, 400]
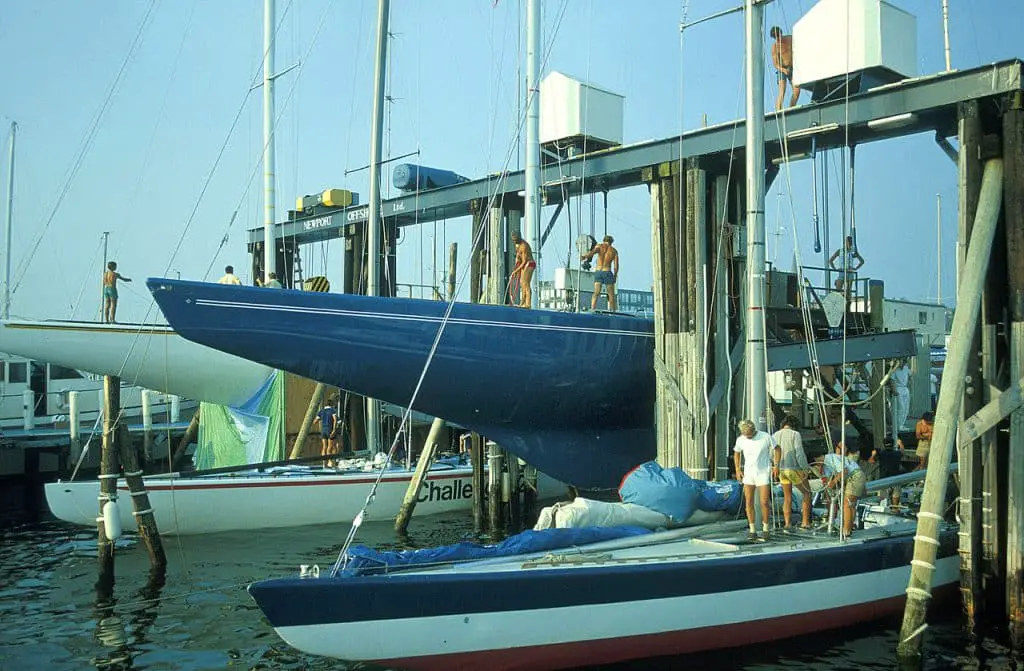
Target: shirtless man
[607, 258]
[110, 278]
[525, 265]
[782, 58]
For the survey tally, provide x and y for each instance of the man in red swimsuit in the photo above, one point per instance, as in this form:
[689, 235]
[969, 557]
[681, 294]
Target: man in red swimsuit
[524, 267]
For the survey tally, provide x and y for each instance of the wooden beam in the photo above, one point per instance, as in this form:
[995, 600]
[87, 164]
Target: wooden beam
[965, 320]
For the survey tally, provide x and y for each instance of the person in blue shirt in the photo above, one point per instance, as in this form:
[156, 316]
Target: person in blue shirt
[327, 419]
[837, 468]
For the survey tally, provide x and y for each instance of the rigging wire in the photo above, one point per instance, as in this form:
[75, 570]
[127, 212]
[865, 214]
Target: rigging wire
[500, 187]
[86, 146]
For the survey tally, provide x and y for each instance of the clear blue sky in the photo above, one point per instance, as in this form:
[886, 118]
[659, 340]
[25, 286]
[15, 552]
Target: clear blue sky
[454, 81]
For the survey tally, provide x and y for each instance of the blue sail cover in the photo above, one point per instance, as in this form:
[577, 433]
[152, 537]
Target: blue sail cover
[671, 492]
[363, 560]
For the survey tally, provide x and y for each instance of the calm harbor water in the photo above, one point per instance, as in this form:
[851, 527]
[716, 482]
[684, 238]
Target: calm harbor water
[56, 615]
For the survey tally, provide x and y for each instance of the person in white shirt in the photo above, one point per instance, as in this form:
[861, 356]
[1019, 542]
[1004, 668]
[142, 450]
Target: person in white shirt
[753, 459]
[790, 463]
[900, 382]
[229, 276]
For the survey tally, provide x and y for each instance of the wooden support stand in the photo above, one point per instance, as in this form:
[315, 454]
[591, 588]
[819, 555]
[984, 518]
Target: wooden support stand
[109, 468]
[970, 455]
[143, 509]
[423, 465]
[307, 420]
[190, 435]
[950, 398]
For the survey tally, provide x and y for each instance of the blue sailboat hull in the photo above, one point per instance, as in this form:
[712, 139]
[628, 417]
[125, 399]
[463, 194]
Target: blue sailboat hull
[572, 394]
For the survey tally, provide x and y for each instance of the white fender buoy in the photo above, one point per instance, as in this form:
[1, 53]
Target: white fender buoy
[111, 520]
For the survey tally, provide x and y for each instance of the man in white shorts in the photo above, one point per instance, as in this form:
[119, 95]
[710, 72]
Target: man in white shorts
[753, 456]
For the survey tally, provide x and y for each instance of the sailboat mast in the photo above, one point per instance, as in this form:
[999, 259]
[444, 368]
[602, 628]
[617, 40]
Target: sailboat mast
[268, 139]
[938, 244]
[9, 221]
[531, 225]
[373, 221]
[755, 347]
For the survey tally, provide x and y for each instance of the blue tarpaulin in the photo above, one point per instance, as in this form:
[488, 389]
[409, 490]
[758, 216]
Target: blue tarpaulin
[363, 560]
[668, 491]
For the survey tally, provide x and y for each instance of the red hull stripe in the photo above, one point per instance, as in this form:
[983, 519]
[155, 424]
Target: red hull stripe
[611, 650]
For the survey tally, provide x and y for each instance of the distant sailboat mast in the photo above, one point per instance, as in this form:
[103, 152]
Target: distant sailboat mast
[373, 220]
[9, 221]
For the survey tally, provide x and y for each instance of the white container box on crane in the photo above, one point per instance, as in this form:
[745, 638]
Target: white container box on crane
[870, 38]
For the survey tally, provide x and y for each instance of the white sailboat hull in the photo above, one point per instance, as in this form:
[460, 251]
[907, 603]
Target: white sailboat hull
[300, 497]
[149, 356]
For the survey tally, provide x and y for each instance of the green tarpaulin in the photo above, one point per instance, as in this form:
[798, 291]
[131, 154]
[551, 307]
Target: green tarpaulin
[249, 434]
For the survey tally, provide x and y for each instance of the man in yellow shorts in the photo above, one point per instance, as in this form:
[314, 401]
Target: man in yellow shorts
[790, 463]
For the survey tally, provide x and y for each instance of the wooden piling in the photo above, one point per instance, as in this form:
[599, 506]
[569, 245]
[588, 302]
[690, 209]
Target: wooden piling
[495, 509]
[109, 469]
[423, 465]
[453, 264]
[476, 457]
[75, 426]
[972, 279]
[970, 454]
[142, 508]
[721, 333]
[476, 260]
[1013, 154]
[147, 425]
[307, 420]
[665, 262]
[515, 511]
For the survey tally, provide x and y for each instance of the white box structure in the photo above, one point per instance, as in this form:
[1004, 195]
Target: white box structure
[570, 108]
[836, 37]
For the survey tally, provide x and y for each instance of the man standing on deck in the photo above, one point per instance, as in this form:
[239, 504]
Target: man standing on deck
[850, 261]
[899, 381]
[110, 278]
[782, 59]
[272, 281]
[524, 267]
[229, 276]
[607, 272]
[753, 459]
[790, 462]
[327, 418]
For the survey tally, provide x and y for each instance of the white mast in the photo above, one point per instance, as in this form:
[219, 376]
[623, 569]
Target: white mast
[268, 139]
[373, 220]
[531, 224]
[755, 355]
[945, 33]
[9, 222]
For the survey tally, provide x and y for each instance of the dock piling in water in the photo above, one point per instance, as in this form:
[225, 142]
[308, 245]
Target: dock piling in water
[1013, 199]
[423, 465]
[972, 281]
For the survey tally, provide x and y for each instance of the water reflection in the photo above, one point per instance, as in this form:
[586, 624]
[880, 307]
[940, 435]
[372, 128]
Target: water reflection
[110, 631]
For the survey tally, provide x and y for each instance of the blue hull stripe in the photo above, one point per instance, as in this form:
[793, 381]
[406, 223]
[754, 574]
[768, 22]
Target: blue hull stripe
[297, 602]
